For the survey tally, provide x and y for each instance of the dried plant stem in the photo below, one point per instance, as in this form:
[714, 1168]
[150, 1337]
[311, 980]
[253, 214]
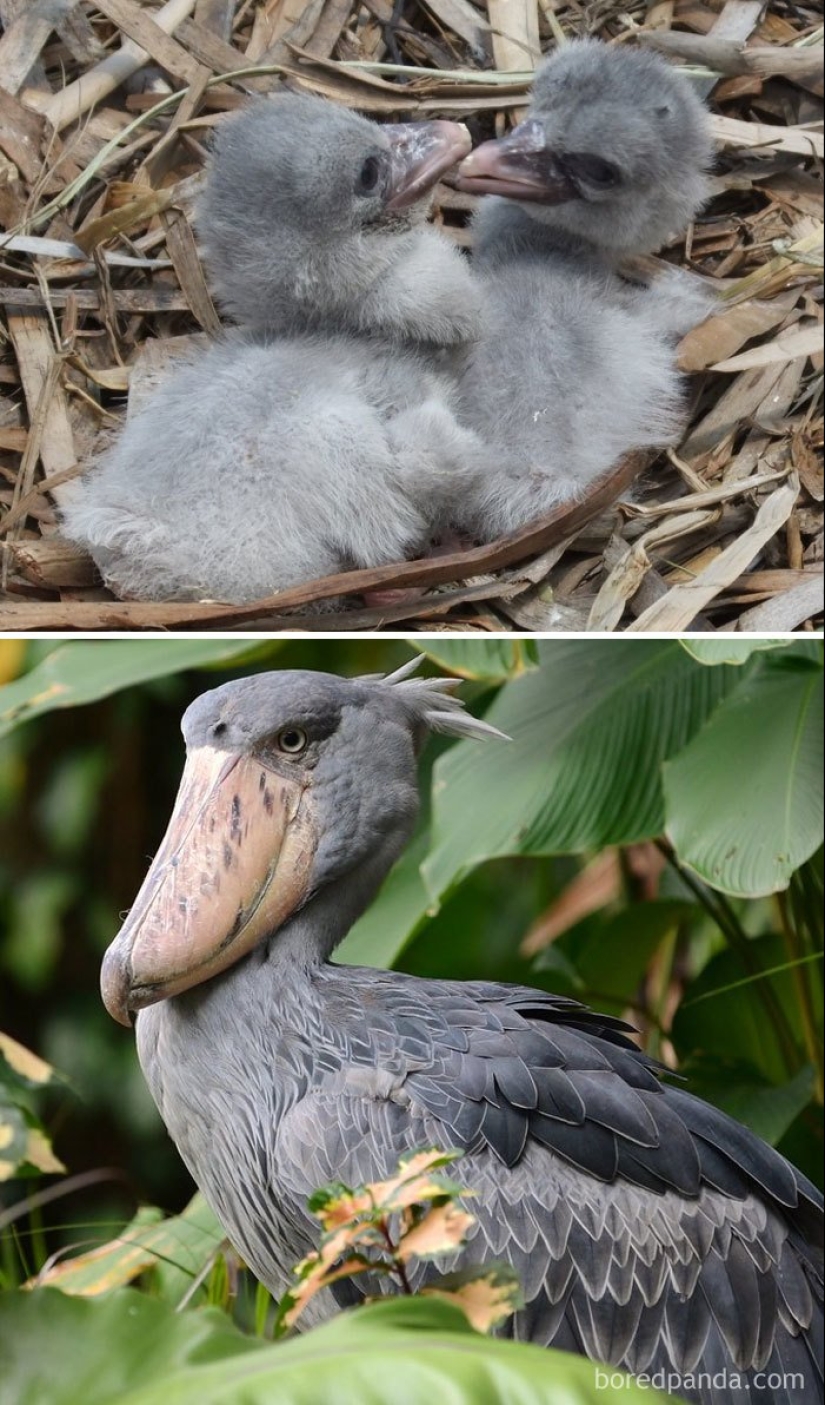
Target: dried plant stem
[88, 90]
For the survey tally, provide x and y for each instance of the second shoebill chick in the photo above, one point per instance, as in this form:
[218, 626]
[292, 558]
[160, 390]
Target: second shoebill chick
[614, 155]
[315, 218]
[319, 436]
[576, 365]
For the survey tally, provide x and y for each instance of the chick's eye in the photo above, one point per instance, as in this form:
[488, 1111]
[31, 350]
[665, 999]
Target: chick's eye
[593, 171]
[367, 179]
[292, 740]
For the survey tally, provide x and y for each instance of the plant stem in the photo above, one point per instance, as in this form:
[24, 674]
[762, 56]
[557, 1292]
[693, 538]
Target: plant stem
[803, 992]
[662, 974]
[56, 1192]
[720, 911]
[397, 1263]
[199, 1279]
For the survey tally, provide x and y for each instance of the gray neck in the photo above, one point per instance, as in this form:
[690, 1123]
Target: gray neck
[309, 938]
[304, 943]
[504, 232]
[275, 980]
[409, 287]
[300, 286]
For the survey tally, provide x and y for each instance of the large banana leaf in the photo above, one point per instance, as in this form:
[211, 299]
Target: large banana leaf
[590, 731]
[129, 1349]
[744, 797]
[84, 670]
[735, 650]
[485, 660]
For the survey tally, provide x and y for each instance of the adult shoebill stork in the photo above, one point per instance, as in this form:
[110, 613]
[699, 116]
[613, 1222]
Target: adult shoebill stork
[649, 1229]
[576, 365]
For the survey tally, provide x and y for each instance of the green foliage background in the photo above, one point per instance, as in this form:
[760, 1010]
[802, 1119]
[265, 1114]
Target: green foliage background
[713, 750]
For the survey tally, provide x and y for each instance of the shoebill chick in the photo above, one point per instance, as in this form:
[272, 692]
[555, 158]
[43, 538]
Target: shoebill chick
[320, 435]
[576, 365]
[315, 218]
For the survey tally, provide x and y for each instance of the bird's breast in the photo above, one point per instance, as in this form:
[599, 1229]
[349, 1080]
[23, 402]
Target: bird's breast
[222, 1086]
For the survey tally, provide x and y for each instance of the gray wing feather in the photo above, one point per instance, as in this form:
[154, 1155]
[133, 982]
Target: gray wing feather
[596, 1181]
[593, 1179]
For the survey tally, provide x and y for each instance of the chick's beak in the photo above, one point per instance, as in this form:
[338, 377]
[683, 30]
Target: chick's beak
[421, 152]
[233, 866]
[519, 166]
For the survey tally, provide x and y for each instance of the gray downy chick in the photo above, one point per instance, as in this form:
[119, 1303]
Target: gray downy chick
[320, 436]
[313, 217]
[576, 365]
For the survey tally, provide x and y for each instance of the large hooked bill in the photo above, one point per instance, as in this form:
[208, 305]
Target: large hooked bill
[519, 166]
[234, 864]
[420, 153]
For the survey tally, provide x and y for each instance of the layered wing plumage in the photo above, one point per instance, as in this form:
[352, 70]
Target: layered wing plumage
[648, 1229]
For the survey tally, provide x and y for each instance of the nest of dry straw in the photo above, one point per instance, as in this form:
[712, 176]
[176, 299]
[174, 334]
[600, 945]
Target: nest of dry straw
[105, 111]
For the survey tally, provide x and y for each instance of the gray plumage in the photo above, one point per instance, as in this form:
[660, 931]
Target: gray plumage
[576, 366]
[320, 436]
[292, 245]
[649, 1230]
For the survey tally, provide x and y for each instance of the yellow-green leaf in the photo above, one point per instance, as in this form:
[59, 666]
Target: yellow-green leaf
[14, 1133]
[487, 1296]
[24, 1062]
[186, 1240]
[442, 1228]
[39, 1153]
[320, 1276]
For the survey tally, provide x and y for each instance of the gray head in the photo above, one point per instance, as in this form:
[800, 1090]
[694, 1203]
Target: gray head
[295, 785]
[615, 150]
[297, 191]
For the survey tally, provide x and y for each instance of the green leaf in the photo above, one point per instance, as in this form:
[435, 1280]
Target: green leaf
[732, 651]
[68, 807]
[484, 660]
[19, 1067]
[363, 1356]
[590, 730]
[59, 1350]
[24, 1145]
[129, 1349]
[14, 1137]
[744, 797]
[738, 1089]
[194, 1237]
[38, 906]
[85, 670]
[612, 959]
[560, 971]
[723, 1014]
[183, 1243]
[40, 1156]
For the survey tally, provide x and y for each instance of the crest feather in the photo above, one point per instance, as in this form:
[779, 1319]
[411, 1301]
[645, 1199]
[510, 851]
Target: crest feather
[430, 701]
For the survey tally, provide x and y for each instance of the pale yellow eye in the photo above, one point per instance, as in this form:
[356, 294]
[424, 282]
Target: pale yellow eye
[292, 740]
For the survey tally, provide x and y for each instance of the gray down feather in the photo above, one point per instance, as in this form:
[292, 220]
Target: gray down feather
[576, 366]
[321, 437]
